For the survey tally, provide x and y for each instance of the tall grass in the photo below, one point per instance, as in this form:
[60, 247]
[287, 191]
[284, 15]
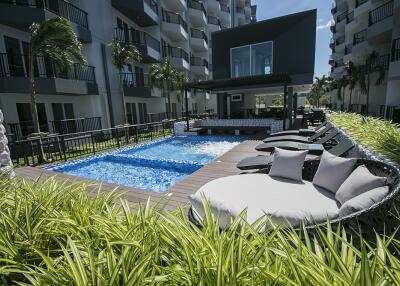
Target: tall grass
[376, 134]
[56, 234]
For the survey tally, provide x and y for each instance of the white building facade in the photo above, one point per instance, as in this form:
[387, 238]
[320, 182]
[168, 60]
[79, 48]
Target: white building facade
[158, 28]
[360, 28]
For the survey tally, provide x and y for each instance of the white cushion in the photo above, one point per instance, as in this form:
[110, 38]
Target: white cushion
[284, 201]
[288, 164]
[360, 181]
[363, 201]
[332, 171]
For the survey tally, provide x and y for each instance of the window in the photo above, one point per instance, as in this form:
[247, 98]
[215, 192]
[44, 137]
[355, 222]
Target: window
[253, 59]
[26, 121]
[194, 107]
[131, 113]
[236, 97]
[142, 112]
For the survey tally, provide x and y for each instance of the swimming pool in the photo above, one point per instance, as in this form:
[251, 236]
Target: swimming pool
[154, 166]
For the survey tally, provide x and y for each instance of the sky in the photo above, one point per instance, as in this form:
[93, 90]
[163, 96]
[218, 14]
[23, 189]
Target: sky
[267, 9]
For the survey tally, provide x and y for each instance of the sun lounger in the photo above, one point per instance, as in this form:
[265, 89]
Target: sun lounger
[298, 138]
[301, 132]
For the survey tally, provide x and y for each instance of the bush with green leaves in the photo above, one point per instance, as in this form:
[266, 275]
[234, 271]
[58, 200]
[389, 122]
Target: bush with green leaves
[54, 233]
[375, 134]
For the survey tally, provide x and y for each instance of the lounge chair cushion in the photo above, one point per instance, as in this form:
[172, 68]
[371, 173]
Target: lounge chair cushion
[288, 164]
[363, 201]
[333, 171]
[284, 201]
[360, 181]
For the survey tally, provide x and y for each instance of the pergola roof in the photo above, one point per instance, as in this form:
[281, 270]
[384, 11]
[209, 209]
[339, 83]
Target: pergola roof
[241, 83]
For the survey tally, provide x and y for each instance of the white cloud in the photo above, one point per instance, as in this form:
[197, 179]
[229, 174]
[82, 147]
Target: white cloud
[325, 26]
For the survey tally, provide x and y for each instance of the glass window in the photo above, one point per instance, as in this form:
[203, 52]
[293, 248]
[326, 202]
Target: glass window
[254, 59]
[261, 58]
[240, 61]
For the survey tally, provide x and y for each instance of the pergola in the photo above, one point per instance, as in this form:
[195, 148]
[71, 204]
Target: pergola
[241, 84]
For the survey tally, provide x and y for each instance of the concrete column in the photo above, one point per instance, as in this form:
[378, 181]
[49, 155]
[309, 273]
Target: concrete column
[290, 107]
[6, 166]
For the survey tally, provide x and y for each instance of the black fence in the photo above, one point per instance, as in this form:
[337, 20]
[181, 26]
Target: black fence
[175, 52]
[360, 37]
[174, 18]
[64, 147]
[198, 34]
[381, 13]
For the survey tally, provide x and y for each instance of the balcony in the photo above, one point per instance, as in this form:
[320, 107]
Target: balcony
[197, 13]
[339, 44]
[174, 26]
[360, 43]
[136, 84]
[240, 15]
[225, 15]
[348, 52]
[179, 57]
[176, 5]
[381, 23]
[214, 8]
[198, 40]
[142, 12]
[199, 66]
[148, 46]
[42, 11]
[394, 70]
[214, 24]
[362, 8]
[48, 78]
[381, 62]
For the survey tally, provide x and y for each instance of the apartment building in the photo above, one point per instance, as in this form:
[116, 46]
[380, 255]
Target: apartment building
[89, 97]
[361, 27]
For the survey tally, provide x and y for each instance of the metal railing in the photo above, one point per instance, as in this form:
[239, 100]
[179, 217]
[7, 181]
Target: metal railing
[20, 130]
[380, 62]
[198, 34]
[64, 147]
[174, 18]
[396, 50]
[341, 17]
[197, 61]
[197, 5]
[340, 40]
[350, 17]
[59, 7]
[131, 79]
[360, 37]
[16, 65]
[360, 2]
[137, 38]
[381, 13]
[348, 49]
[153, 5]
[213, 20]
[339, 63]
[175, 52]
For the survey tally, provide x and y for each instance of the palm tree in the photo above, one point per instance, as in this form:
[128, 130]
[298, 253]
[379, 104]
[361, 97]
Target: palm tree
[364, 75]
[56, 40]
[164, 76]
[318, 88]
[121, 56]
[352, 78]
[180, 83]
[342, 83]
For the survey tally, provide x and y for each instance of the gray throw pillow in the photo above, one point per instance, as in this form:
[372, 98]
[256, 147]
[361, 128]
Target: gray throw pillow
[363, 201]
[360, 181]
[288, 164]
[332, 171]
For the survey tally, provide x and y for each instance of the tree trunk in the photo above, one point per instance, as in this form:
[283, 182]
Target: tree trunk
[169, 102]
[343, 98]
[121, 86]
[351, 91]
[368, 87]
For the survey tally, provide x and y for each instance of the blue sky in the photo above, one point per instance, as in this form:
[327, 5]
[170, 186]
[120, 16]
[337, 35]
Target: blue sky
[267, 9]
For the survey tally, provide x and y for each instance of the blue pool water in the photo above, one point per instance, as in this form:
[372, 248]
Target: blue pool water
[153, 166]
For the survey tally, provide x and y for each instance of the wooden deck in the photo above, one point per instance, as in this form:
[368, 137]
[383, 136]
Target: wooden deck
[177, 196]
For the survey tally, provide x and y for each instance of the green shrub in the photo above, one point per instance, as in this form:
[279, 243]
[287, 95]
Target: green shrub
[57, 234]
[376, 134]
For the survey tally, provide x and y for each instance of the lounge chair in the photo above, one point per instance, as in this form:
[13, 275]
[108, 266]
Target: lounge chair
[284, 200]
[315, 146]
[298, 138]
[261, 161]
[301, 132]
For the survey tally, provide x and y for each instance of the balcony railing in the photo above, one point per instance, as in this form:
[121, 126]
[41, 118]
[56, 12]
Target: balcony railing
[198, 34]
[340, 40]
[197, 5]
[137, 38]
[131, 79]
[334, 10]
[174, 18]
[381, 62]
[59, 7]
[341, 17]
[225, 8]
[16, 65]
[350, 17]
[360, 2]
[175, 52]
[348, 49]
[196, 61]
[153, 5]
[381, 13]
[360, 37]
[339, 63]
[396, 50]
[213, 20]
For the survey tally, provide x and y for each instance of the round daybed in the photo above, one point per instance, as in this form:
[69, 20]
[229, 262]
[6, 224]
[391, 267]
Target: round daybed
[297, 203]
